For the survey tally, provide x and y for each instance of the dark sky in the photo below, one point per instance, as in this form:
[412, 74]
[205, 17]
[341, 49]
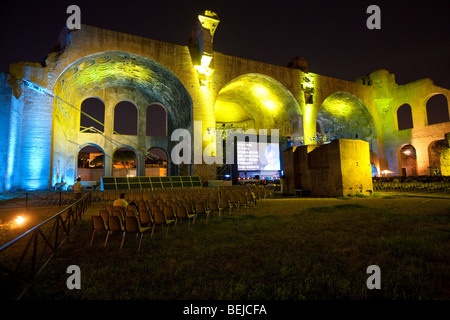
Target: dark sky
[413, 42]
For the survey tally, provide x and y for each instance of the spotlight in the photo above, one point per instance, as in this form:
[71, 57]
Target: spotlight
[19, 220]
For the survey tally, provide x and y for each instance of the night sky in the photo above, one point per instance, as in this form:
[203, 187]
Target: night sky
[331, 35]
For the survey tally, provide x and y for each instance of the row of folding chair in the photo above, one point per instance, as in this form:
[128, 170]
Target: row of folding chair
[128, 221]
[52, 198]
[169, 207]
[170, 193]
[412, 186]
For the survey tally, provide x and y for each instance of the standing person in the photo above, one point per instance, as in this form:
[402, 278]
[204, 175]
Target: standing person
[77, 189]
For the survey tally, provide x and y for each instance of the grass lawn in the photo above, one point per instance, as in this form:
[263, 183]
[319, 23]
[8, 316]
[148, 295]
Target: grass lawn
[282, 249]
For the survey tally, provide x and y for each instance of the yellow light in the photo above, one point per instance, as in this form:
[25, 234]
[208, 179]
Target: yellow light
[206, 60]
[269, 104]
[19, 220]
[209, 20]
[265, 97]
[261, 92]
[308, 85]
[206, 71]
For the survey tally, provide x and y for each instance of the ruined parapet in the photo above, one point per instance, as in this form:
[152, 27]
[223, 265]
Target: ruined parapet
[339, 168]
[445, 157]
[298, 63]
[200, 45]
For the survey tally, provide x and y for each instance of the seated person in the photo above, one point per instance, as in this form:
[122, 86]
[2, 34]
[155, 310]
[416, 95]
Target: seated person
[121, 202]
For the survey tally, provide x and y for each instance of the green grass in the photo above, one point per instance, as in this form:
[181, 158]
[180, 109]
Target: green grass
[282, 249]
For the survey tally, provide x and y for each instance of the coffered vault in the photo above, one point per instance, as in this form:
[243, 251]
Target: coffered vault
[261, 101]
[41, 134]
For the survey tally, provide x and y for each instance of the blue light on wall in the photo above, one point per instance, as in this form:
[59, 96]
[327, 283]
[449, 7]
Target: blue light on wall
[13, 144]
[29, 142]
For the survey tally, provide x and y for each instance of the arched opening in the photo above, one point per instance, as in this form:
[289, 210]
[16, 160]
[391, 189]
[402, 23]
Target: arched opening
[375, 163]
[124, 162]
[126, 118]
[437, 109]
[404, 117]
[319, 126]
[434, 153]
[255, 101]
[156, 121]
[407, 161]
[90, 163]
[92, 115]
[156, 163]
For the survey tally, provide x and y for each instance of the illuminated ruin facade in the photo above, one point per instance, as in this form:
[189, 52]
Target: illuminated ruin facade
[41, 135]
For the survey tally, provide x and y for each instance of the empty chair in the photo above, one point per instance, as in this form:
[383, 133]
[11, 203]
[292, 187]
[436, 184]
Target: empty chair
[129, 197]
[122, 209]
[98, 225]
[132, 207]
[225, 204]
[46, 199]
[243, 200]
[254, 196]
[132, 225]
[143, 207]
[130, 213]
[170, 213]
[110, 209]
[201, 209]
[153, 206]
[141, 203]
[161, 219]
[53, 198]
[190, 207]
[145, 217]
[214, 206]
[100, 195]
[119, 214]
[233, 200]
[104, 214]
[183, 213]
[115, 225]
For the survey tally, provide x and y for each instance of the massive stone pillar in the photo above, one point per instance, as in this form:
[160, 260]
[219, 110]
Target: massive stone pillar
[200, 45]
[445, 157]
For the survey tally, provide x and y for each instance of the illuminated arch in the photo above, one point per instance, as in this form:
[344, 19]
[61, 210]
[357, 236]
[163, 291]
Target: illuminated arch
[437, 109]
[434, 154]
[404, 117]
[345, 116]
[156, 120]
[407, 160]
[126, 116]
[160, 157]
[95, 108]
[319, 126]
[258, 101]
[124, 168]
[86, 176]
